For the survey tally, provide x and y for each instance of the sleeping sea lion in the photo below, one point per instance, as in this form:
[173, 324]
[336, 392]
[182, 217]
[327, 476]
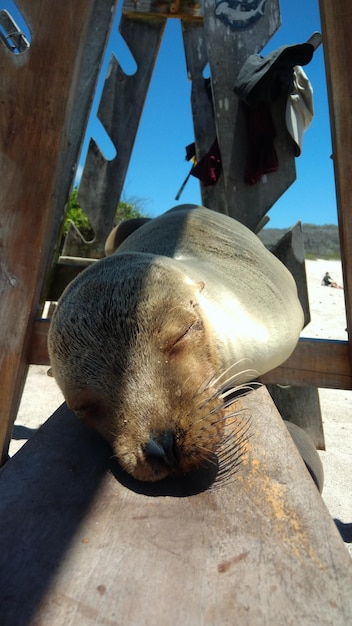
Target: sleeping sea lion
[147, 344]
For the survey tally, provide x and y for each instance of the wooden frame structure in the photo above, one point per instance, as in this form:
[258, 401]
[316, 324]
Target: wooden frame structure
[59, 126]
[80, 541]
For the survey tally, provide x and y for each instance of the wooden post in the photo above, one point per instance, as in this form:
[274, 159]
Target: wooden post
[203, 114]
[337, 27]
[120, 110]
[45, 98]
[228, 47]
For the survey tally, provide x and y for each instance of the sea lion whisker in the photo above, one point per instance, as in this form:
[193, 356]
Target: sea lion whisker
[206, 416]
[227, 474]
[219, 393]
[203, 387]
[213, 380]
[242, 430]
[232, 449]
[239, 373]
[234, 443]
[230, 464]
[204, 449]
[226, 416]
[240, 390]
[209, 399]
[233, 382]
[209, 460]
[223, 372]
[240, 378]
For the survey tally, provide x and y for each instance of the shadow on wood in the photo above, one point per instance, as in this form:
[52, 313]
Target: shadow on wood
[77, 546]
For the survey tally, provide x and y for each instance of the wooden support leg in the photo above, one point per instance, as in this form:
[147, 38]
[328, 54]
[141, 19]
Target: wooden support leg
[45, 96]
[228, 48]
[205, 131]
[120, 110]
[337, 43]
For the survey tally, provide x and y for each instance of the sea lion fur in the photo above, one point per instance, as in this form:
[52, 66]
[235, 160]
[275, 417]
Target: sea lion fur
[145, 343]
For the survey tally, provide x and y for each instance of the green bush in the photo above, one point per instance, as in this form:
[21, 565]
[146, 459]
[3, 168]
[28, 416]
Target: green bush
[125, 210]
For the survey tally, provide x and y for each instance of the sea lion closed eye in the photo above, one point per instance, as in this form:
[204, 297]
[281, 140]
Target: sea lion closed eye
[145, 343]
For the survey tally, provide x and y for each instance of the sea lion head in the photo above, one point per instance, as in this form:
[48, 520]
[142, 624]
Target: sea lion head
[135, 360]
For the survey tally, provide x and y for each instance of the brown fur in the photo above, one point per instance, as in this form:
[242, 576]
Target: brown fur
[140, 345]
[113, 360]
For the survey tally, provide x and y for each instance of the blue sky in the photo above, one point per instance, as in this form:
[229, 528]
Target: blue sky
[158, 166]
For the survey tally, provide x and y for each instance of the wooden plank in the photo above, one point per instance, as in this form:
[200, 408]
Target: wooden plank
[317, 363]
[228, 49]
[204, 125]
[45, 96]
[290, 251]
[300, 405]
[314, 362]
[184, 9]
[119, 111]
[38, 348]
[337, 42]
[82, 543]
[64, 271]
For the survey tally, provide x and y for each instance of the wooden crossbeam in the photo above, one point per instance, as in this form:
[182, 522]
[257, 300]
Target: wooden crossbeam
[315, 362]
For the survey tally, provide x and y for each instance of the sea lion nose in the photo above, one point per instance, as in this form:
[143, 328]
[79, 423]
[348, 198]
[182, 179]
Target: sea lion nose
[161, 447]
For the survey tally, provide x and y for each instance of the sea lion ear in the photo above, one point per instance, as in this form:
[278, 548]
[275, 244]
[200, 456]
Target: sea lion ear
[200, 285]
[120, 232]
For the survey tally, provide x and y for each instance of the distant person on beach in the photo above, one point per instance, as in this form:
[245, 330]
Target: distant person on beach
[330, 282]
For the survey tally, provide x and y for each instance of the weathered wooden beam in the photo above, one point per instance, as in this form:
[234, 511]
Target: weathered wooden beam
[213, 196]
[298, 404]
[229, 46]
[190, 10]
[290, 251]
[82, 543]
[64, 271]
[38, 348]
[45, 96]
[337, 42]
[119, 111]
[317, 363]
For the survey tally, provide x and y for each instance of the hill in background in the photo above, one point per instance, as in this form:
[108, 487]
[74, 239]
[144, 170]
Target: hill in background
[320, 242]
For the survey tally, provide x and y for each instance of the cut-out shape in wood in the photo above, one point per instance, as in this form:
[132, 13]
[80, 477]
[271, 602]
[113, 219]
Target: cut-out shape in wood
[11, 34]
[119, 111]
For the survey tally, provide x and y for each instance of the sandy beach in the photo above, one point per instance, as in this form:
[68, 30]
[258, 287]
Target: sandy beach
[42, 397]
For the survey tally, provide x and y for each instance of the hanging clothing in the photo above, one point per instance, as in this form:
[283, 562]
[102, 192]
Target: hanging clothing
[263, 80]
[261, 154]
[299, 108]
[208, 169]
